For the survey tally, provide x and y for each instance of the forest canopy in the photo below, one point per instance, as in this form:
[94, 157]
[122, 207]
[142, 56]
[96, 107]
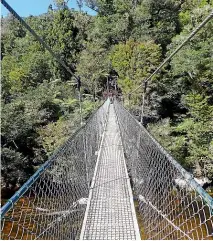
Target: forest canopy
[123, 44]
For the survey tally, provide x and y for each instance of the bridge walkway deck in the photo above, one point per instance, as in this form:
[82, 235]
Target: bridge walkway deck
[110, 210]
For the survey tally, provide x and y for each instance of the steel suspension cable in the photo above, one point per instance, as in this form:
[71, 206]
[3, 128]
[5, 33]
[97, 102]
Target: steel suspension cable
[41, 41]
[198, 28]
[145, 82]
[38, 38]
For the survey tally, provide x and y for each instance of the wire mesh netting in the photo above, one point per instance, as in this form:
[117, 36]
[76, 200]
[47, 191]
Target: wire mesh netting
[52, 204]
[172, 204]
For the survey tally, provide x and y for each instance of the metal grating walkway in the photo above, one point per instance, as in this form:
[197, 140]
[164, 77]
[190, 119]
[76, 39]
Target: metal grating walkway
[110, 210]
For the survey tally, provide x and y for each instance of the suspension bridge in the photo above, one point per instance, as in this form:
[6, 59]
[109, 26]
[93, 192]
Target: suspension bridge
[110, 180]
[83, 191]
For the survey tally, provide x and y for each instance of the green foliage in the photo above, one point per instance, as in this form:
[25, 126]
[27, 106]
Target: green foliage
[54, 134]
[134, 62]
[187, 86]
[15, 168]
[190, 141]
[26, 122]
[61, 4]
[164, 133]
[195, 59]
[93, 67]
[198, 131]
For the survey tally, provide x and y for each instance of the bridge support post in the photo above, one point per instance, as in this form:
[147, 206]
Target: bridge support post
[134, 168]
[143, 102]
[80, 106]
[85, 159]
[142, 108]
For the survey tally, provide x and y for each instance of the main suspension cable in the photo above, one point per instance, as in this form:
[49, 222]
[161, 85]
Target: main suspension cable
[201, 25]
[145, 82]
[40, 40]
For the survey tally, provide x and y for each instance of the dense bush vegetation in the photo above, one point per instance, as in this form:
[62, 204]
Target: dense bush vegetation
[125, 41]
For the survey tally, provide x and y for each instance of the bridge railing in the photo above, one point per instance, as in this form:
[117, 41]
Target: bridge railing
[52, 203]
[172, 204]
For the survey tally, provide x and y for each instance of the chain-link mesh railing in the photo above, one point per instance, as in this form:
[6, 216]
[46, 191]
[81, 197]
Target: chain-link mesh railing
[52, 203]
[171, 204]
